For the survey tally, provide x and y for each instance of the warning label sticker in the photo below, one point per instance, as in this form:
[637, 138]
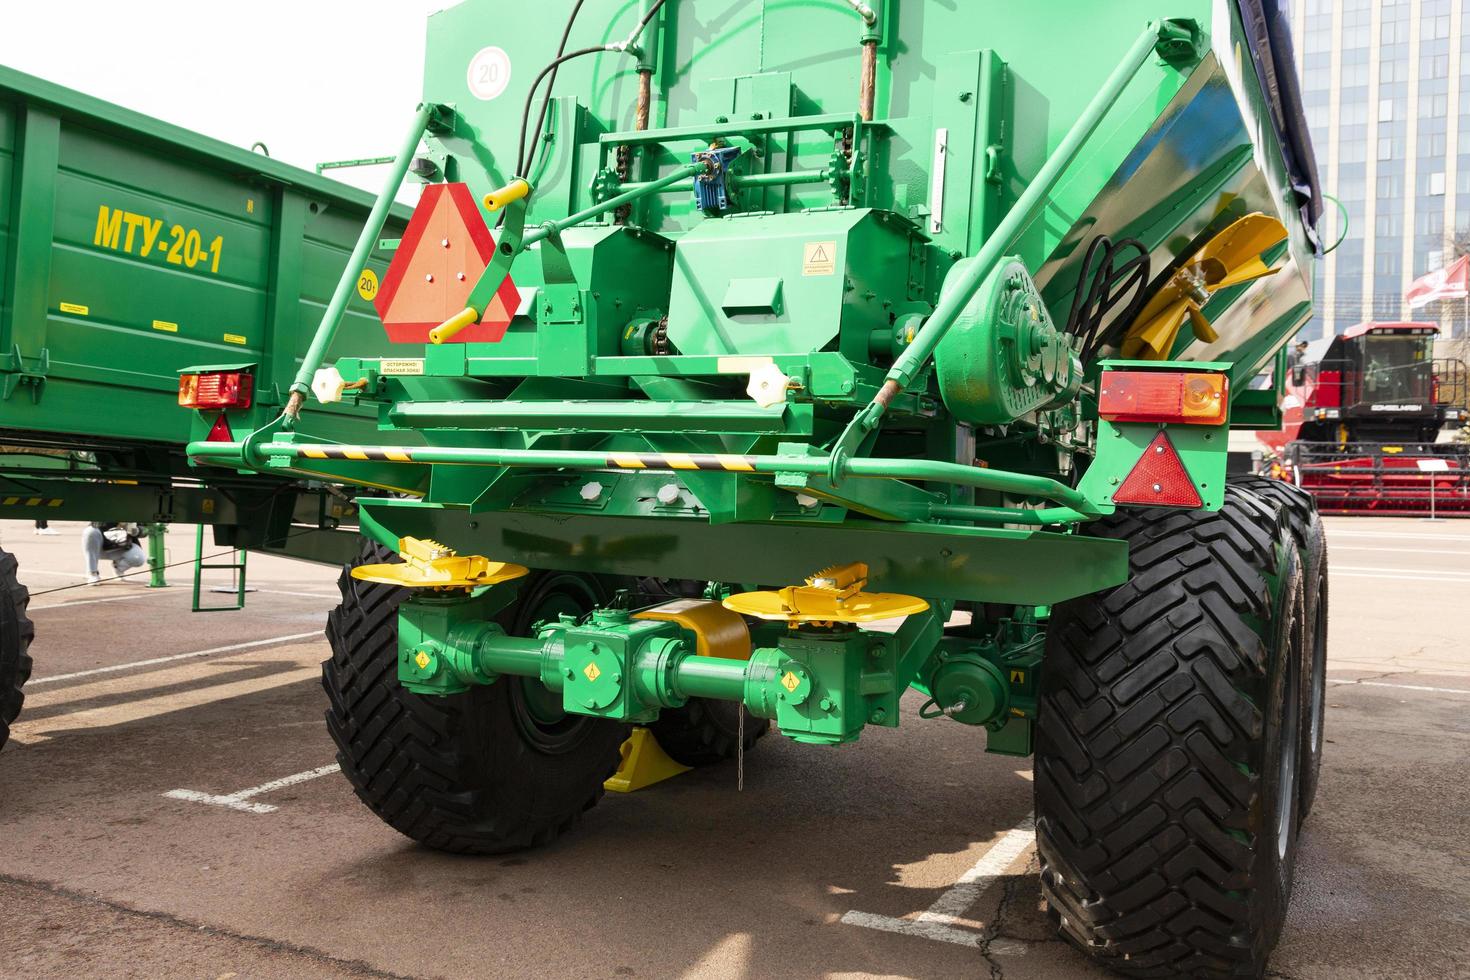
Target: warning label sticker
[819, 259]
[406, 365]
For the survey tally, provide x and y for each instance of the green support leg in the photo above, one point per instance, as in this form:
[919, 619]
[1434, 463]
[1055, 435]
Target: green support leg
[157, 555]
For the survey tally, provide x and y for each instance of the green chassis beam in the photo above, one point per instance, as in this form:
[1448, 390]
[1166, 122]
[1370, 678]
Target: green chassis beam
[991, 564]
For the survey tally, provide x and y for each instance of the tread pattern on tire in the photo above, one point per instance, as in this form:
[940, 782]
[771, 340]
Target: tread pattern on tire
[1300, 508]
[1147, 771]
[16, 633]
[419, 762]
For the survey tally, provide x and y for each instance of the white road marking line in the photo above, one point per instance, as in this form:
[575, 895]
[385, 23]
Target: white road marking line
[241, 800]
[939, 921]
[336, 596]
[1447, 573]
[178, 656]
[1406, 577]
[30, 732]
[87, 602]
[1398, 551]
[1403, 687]
[1336, 532]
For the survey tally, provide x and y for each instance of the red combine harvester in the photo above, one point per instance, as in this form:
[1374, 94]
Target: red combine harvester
[1362, 413]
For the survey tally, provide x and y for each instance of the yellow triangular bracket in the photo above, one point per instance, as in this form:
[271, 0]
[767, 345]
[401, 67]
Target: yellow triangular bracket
[644, 763]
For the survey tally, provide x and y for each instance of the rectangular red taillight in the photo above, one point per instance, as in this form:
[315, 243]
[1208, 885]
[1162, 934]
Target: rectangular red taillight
[1163, 396]
[216, 389]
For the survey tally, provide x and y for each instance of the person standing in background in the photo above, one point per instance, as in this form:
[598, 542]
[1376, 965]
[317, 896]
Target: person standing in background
[43, 528]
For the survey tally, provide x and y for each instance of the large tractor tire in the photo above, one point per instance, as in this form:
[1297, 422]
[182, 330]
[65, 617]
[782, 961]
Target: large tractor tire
[498, 768]
[16, 633]
[705, 731]
[1300, 510]
[1168, 745]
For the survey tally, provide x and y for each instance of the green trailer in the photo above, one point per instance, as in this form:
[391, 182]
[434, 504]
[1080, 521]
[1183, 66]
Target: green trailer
[754, 364]
[136, 254]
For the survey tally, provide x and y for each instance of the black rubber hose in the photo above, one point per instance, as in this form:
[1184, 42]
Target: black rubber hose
[1103, 283]
[561, 49]
[526, 154]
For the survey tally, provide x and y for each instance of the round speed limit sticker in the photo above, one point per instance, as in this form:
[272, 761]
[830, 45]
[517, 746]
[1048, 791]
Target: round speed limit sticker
[489, 73]
[367, 285]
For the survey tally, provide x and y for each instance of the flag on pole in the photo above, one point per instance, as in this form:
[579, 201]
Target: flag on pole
[1451, 282]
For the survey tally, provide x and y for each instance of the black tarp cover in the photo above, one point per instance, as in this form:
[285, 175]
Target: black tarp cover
[1268, 32]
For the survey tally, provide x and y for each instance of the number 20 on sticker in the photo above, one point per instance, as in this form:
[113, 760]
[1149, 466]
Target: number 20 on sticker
[367, 284]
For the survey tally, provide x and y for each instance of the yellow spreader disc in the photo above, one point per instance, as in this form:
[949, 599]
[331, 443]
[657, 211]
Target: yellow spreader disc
[833, 595]
[431, 565]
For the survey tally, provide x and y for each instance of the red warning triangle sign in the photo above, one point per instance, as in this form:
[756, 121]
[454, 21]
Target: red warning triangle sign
[220, 431]
[1159, 478]
[444, 250]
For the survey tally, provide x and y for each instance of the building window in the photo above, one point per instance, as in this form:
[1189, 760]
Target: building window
[1433, 106]
[1436, 184]
[1385, 110]
[1385, 149]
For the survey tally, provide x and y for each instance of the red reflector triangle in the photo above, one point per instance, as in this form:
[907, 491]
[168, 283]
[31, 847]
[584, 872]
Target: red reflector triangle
[1159, 479]
[220, 431]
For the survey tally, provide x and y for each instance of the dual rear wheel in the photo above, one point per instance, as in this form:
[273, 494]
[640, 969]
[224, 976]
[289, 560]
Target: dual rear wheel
[1179, 737]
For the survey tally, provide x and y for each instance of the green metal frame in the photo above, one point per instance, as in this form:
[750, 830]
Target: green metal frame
[746, 394]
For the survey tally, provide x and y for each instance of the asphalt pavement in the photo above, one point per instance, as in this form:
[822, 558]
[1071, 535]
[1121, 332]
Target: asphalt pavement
[169, 806]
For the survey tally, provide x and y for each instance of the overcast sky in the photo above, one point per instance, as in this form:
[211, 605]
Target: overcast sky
[313, 79]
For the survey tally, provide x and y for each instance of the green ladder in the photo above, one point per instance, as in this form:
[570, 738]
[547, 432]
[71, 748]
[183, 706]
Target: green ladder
[237, 567]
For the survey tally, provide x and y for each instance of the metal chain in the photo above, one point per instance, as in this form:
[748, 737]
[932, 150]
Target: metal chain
[740, 750]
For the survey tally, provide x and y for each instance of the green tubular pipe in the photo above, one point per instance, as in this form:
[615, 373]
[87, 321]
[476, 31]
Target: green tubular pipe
[1007, 515]
[934, 471]
[513, 655]
[486, 652]
[1036, 194]
[711, 677]
[611, 204]
[365, 243]
[747, 180]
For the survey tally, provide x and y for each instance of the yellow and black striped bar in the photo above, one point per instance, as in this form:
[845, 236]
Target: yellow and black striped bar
[722, 462]
[681, 461]
[360, 453]
[31, 502]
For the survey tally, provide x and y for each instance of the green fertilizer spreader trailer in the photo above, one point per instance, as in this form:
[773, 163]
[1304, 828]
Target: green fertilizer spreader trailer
[756, 362]
[144, 267]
